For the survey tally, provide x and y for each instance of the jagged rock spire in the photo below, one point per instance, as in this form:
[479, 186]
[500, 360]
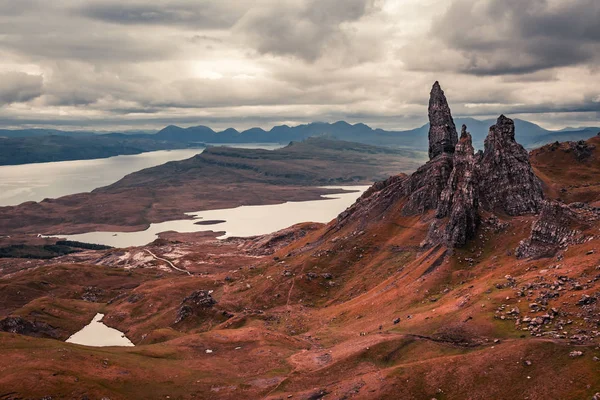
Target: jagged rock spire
[507, 182]
[442, 131]
[459, 200]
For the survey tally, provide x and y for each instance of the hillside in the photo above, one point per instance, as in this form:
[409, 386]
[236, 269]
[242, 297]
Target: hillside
[468, 279]
[218, 178]
[47, 148]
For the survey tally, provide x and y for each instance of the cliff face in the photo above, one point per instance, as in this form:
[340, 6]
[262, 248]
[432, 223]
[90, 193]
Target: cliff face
[558, 226]
[458, 184]
[460, 200]
[499, 180]
[505, 178]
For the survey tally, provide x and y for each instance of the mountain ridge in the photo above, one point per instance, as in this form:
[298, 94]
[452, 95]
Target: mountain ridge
[529, 134]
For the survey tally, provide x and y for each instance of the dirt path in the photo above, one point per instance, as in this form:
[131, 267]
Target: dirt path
[168, 262]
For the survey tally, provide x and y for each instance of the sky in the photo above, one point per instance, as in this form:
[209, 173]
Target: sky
[130, 64]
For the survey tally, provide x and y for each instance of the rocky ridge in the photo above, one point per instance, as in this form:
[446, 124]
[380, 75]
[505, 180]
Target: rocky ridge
[558, 226]
[458, 184]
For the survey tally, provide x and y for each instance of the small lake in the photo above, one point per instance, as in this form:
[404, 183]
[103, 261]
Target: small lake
[241, 221]
[97, 334]
[36, 182]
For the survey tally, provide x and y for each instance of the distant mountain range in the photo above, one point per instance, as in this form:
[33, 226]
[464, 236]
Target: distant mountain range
[529, 134]
[87, 144]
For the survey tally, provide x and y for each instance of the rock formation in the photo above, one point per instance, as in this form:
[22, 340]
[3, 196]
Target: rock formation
[506, 180]
[25, 327]
[557, 226]
[456, 183]
[197, 302]
[442, 131]
[459, 201]
[424, 187]
[581, 149]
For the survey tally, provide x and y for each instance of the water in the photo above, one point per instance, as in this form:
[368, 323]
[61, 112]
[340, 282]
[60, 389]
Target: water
[36, 182]
[97, 334]
[241, 221]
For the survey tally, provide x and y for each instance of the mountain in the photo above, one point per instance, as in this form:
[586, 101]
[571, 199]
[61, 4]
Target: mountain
[528, 134]
[21, 133]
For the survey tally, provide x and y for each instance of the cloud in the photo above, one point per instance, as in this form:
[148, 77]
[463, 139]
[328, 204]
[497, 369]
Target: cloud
[109, 63]
[18, 87]
[498, 37]
[303, 29]
[203, 14]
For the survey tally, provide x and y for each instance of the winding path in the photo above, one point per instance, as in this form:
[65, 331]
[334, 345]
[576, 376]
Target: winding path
[168, 262]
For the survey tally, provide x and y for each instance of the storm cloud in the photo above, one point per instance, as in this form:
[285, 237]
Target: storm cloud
[498, 37]
[18, 87]
[111, 64]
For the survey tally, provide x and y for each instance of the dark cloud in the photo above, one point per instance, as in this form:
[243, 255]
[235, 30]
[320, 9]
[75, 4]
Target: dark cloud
[497, 37]
[88, 46]
[197, 14]
[15, 8]
[304, 29]
[121, 63]
[18, 87]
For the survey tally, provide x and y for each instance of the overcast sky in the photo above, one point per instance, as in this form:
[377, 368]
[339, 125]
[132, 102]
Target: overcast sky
[130, 64]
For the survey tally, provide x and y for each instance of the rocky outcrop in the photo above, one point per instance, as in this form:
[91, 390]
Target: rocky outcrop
[506, 180]
[581, 149]
[456, 183]
[24, 327]
[424, 187]
[442, 131]
[200, 300]
[459, 201]
[557, 226]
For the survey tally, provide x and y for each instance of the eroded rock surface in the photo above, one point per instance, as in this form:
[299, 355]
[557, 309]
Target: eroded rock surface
[459, 201]
[457, 183]
[424, 187]
[506, 180]
[198, 301]
[557, 226]
[25, 327]
[442, 131]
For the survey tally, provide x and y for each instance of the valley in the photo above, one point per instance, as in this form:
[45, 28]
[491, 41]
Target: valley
[218, 178]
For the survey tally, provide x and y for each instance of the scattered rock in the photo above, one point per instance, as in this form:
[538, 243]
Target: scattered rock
[552, 231]
[197, 301]
[24, 327]
[92, 294]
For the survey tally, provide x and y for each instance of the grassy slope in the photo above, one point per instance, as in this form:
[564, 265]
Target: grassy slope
[318, 334]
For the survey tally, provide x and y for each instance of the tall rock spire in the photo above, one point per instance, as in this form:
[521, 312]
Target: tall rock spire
[507, 182]
[459, 201]
[442, 131]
